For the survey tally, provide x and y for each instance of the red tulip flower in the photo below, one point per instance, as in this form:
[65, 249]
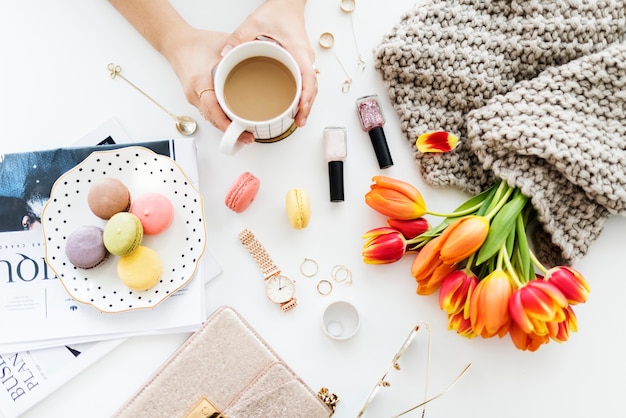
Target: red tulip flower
[559, 331]
[383, 245]
[455, 291]
[438, 141]
[570, 282]
[461, 323]
[535, 304]
[409, 228]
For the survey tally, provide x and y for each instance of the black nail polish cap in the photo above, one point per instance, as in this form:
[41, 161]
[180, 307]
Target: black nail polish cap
[381, 149]
[335, 176]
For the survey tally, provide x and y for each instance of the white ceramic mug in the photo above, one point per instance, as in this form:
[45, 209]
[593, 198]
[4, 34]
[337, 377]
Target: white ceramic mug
[268, 130]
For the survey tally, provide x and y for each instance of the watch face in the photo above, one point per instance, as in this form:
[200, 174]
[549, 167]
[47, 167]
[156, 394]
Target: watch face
[280, 288]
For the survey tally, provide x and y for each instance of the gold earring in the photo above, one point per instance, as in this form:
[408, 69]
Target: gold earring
[310, 272]
[341, 274]
[324, 287]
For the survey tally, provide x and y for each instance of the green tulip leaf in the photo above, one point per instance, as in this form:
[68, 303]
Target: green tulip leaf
[501, 226]
[489, 194]
[525, 262]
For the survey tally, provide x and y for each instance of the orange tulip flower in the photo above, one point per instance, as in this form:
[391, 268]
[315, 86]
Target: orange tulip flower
[395, 198]
[489, 305]
[526, 341]
[426, 260]
[428, 285]
[463, 237]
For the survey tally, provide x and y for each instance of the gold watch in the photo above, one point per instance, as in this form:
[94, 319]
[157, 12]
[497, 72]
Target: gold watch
[279, 288]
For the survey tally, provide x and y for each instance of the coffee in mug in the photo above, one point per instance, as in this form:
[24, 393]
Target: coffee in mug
[258, 86]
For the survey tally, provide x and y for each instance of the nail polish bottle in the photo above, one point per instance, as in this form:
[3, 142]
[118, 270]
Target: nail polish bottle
[372, 121]
[336, 151]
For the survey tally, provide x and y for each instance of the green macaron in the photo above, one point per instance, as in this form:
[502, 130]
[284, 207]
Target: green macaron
[123, 233]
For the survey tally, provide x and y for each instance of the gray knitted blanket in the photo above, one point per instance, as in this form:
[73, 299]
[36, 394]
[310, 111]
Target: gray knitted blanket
[536, 92]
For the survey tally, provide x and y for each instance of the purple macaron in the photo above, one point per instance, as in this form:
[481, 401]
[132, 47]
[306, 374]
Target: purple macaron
[85, 248]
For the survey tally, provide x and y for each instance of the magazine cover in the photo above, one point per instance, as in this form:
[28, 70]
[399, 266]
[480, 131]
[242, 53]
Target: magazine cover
[35, 309]
[46, 337]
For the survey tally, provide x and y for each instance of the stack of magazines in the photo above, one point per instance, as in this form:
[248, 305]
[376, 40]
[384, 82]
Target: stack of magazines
[47, 337]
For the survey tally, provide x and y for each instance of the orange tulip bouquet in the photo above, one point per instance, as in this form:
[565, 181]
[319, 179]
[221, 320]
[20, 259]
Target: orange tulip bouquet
[542, 121]
[479, 259]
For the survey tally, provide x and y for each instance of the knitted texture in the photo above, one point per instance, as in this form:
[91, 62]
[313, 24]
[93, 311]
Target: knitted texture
[561, 139]
[445, 59]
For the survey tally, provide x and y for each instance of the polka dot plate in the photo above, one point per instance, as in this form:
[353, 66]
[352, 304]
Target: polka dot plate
[180, 246]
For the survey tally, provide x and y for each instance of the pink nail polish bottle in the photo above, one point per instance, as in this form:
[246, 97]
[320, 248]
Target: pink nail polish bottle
[372, 121]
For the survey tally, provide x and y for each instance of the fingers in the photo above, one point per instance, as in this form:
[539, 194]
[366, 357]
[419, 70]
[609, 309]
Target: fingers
[212, 112]
[235, 38]
[309, 84]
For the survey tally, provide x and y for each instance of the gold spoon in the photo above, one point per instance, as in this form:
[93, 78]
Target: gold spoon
[184, 124]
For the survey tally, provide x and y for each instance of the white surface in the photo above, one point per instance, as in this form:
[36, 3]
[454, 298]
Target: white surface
[54, 87]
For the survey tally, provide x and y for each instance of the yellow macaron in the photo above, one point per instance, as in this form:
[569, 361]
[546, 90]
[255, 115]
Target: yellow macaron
[141, 269]
[298, 206]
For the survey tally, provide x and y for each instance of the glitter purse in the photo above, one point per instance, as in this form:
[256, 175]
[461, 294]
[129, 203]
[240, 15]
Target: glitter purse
[225, 369]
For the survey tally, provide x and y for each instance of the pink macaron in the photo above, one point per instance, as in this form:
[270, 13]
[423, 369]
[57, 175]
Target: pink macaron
[155, 211]
[242, 192]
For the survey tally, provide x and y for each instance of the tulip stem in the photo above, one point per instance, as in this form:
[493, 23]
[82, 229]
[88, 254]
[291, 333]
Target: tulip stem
[500, 198]
[464, 212]
[470, 263]
[504, 257]
[537, 263]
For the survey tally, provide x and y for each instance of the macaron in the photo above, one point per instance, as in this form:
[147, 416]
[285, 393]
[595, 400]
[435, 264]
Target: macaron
[242, 192]
[85, 248]
[141, 269]
[108, 196]
[123, 233]
[298, 206]
[154, 210]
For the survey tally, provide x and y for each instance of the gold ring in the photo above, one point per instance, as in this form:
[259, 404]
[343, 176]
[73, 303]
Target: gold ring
[199, 93]
[346, 277]
[327, 290]
[314, 269]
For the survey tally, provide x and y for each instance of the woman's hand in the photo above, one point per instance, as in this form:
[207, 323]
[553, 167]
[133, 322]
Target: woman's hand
[283, 20]
[196, 53]
[193, 53]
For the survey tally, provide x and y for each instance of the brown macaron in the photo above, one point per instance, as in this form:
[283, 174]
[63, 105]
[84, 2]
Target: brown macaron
[108, 196]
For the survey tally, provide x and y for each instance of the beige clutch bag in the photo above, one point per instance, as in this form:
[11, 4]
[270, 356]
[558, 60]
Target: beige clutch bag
[225, 369]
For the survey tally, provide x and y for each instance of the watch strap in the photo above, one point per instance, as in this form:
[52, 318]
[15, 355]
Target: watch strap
[258, 253]
[289, 305]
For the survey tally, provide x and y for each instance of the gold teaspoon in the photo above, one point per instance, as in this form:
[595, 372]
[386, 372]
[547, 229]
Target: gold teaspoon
[184, 124]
